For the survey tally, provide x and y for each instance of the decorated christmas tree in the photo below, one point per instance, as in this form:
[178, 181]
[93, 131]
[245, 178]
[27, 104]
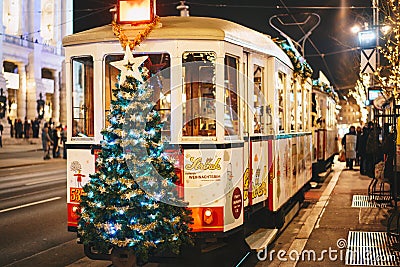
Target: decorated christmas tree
[131, 201]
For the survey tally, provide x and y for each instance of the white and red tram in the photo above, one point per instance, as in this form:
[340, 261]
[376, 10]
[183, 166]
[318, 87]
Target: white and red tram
[241, 118]
[325, 141]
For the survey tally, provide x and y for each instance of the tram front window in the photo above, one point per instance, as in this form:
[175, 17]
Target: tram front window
[198, 96]
[82, 97]
[158, 66]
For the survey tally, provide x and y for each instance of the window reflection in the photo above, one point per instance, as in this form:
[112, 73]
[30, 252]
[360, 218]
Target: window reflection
[231, 120]
[158, 65]
[82, 97]
[198, 95]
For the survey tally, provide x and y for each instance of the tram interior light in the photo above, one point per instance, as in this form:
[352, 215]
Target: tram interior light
[135, 11]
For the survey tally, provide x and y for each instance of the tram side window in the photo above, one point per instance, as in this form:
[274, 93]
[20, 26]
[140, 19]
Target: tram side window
[82, 97]
[281, 101]
[306, 110]
[292, 107]
[198, 95]
[314, 110]
[158, 65]
[231, 117]
[299, 111]
[259, 99]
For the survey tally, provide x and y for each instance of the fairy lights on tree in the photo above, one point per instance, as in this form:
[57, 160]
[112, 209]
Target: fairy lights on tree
[388, 73]
[360, 96]
[122, 207]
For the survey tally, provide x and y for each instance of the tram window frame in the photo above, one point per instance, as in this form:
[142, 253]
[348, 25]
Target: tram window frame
[307, 105]
[292, 106]
[259, 100]
[281, 90]
[83, 120]
[199, 116]
[299, 108]
[231, 99]
[156, 63]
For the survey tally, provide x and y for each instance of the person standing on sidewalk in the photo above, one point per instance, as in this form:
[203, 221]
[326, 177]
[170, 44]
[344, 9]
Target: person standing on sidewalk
[349, 143]
[35, 128]
[1, 134]
[359, 139]
[373, 150]
[27, 128]
[11, 126]
[56, 137]
[46, 141]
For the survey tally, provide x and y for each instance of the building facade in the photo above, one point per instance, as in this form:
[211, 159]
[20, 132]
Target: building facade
[32, 59]
[349, 114]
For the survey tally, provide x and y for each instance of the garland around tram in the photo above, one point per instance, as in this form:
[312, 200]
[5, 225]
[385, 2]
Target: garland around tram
[301, 67]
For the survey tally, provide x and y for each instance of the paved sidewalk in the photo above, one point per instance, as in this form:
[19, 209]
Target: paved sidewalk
[319, 236]
[28, 158]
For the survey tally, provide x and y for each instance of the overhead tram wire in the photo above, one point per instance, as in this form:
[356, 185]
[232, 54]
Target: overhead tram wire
[336, 52]
[276, 7]
[314, 46]
[75, 19]
[284, 6]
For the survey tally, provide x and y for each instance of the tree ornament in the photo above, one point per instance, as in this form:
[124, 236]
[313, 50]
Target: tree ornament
[129, 66]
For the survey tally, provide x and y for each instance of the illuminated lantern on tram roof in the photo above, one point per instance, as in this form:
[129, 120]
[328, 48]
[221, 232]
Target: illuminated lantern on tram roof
[135, 11]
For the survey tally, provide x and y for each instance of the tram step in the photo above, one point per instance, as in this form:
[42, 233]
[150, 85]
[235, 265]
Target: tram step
[261, 238]
[213, 247]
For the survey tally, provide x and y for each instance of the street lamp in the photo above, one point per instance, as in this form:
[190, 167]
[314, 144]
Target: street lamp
[367, 39]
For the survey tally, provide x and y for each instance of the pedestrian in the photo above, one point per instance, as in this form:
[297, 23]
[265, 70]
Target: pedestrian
[358, 156]
[11, 126]
[349, 143]
[46, 141]
[389, 151]
[35, 128]
[373, 149]
[18, 128]
[27, 128]
[56, 141]
[64, 139]
[361, 146]
[1, 135]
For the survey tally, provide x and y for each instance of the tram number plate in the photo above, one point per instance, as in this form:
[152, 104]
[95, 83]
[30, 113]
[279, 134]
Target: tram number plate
[75, 194]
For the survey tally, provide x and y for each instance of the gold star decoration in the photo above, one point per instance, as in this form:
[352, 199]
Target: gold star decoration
[129, 66]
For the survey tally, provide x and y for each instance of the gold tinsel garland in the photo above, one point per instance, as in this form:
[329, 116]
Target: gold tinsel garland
[124, 40]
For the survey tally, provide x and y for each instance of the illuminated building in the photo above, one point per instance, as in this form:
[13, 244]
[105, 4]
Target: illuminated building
[32, 57]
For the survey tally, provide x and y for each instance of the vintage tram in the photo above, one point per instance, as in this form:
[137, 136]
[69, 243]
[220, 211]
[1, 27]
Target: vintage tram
[240, 112]
[324, 122]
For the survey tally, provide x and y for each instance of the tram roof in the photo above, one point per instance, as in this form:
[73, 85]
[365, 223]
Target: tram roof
[188, 28]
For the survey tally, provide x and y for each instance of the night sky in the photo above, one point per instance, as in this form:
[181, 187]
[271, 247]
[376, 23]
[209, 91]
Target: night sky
[332, 41]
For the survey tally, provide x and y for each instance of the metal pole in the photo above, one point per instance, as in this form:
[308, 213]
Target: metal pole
[375, 8]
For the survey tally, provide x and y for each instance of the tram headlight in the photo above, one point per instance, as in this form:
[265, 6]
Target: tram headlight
[208, 216]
